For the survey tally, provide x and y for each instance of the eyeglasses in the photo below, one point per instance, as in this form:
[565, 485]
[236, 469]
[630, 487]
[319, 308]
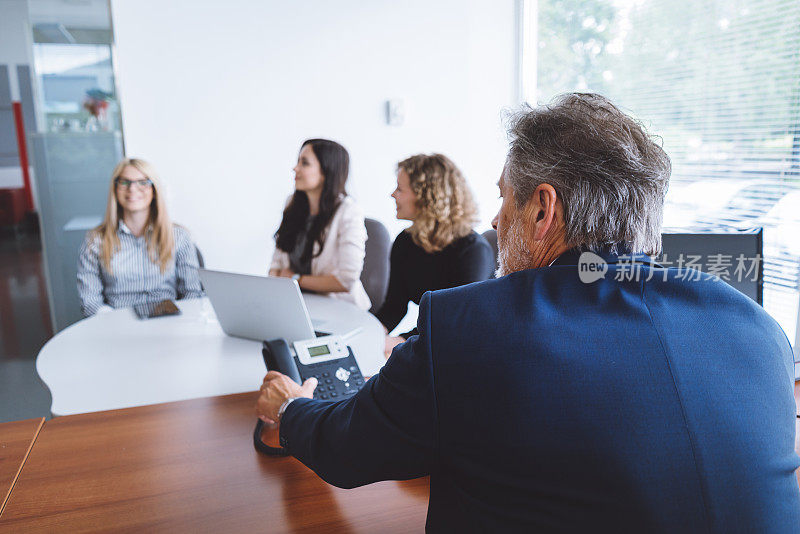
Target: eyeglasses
[140, 184]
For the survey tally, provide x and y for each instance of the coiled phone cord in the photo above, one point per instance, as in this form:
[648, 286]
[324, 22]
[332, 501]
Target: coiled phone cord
[262, 447]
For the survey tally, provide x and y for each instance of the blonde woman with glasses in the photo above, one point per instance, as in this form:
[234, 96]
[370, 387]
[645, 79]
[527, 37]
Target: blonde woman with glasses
[137, 255]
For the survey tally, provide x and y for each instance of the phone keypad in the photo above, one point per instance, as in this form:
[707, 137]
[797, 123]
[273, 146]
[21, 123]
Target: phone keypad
[336, 379]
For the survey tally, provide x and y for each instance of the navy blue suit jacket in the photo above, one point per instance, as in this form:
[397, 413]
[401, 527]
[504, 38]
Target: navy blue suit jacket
[537, 402]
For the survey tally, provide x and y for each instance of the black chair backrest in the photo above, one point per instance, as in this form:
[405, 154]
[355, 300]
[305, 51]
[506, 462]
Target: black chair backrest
[375, 275]
[200, 261]
[491, 237]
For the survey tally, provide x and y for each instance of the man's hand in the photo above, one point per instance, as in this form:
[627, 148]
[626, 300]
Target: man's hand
[277, 389]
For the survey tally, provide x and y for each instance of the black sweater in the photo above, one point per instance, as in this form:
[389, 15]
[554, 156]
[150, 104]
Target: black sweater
[414, 271]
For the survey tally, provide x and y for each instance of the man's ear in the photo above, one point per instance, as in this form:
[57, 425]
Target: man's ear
[540, 213]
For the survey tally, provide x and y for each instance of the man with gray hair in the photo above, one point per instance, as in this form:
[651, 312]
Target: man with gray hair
[586, 389]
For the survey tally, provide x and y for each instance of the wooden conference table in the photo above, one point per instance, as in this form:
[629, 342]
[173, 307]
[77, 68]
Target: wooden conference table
[191, 466]
[16, 441]
[114, 360]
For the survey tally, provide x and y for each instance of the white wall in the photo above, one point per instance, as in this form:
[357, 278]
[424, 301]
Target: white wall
[14, 50]
[219, 96]
[14, 40]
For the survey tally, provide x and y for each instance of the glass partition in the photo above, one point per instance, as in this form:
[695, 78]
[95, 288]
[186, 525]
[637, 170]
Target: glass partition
[78, 139]
[76, 83]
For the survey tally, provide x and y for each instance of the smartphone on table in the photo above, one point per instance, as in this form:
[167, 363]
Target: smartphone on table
[151, 310]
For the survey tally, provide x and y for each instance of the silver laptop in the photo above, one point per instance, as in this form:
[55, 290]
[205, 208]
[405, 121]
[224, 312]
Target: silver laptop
[258, 307]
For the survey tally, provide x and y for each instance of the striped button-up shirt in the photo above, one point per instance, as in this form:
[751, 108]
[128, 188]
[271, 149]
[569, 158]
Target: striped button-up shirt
[134, 278]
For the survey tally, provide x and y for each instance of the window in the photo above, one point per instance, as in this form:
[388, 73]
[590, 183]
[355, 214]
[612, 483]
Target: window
[719, 81]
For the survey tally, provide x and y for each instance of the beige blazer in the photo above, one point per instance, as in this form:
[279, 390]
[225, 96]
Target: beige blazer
[342, 253]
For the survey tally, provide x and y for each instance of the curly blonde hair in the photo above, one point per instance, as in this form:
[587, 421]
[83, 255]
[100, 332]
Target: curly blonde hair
[446, 210]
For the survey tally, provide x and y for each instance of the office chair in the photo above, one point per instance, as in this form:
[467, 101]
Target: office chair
[200, 262]
[375, 275]
[797, 341]
[491, 237]
[200, 258]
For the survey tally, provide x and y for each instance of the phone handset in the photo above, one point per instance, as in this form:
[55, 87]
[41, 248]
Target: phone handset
[328, 359]
[277, 357]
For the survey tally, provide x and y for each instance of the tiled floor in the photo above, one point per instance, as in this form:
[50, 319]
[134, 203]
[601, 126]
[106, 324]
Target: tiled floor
[24, 327]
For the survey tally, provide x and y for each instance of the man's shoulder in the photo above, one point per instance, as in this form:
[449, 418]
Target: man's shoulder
[688, 290]
[562, 286]
[480, 295]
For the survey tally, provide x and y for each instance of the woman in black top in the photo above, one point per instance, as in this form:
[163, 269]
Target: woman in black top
[440, 249]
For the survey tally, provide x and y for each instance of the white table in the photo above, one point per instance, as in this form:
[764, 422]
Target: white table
[114, 360]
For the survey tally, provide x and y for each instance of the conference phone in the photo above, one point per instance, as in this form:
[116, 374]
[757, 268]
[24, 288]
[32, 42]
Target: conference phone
[328, 359]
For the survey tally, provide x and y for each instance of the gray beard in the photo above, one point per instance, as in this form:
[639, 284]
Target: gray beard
[512, 251]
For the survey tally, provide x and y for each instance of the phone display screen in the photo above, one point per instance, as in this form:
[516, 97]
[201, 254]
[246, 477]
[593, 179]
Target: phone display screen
[321, 350]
